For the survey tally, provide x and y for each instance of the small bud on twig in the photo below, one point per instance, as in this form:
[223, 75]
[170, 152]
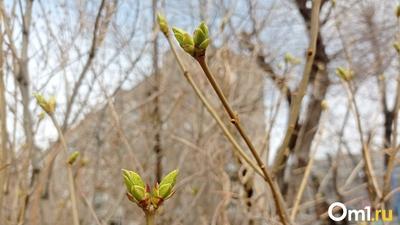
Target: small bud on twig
[48, 105]
[345, 74]
[72, 158]
[135, 185]
[162, 22]
[195, 45]
[140, 193]
[290, 59]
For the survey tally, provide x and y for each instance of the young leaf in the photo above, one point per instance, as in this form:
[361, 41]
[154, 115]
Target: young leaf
[170, 178]
[162, 22]
[165, 190]
[131, 178]
[138, 192]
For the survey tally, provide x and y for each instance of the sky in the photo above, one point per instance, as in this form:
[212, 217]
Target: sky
[62, 32]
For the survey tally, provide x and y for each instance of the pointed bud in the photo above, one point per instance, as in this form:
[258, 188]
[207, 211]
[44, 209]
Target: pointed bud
[198, 36]
[290, 59]
[188, 44]
[132, 178]
[165, 191]
[201, 39]
[72, 158]
[204, 44]
[196, 45]
[135, 185]
[162, 22]
[178, 33]
[170, 178]
[138, 192]
[204, 28]
[48, 106]
[184, 39]
[345, 74]
[41, 101]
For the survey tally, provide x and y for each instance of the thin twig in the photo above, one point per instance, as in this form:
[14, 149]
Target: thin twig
[305, 178]
[277, 195]
[394, 150]
[373, 188]
[92, 54]
[87, 203]
[71, 186]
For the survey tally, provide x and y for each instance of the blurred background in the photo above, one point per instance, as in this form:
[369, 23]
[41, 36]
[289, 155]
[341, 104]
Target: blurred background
[123, 102]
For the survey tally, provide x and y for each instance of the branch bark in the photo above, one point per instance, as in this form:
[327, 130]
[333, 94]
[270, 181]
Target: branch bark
[298, 95]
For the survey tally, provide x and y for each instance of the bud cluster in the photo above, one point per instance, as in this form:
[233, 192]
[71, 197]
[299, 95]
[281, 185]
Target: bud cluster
[48, 105]
[141, 194]
[195, 45]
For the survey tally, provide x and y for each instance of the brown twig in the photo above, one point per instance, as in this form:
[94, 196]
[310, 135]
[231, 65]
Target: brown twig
[277, 196]
[373, 188]
[394, 150]
[237, 149]
[92, 53]
[305, 178]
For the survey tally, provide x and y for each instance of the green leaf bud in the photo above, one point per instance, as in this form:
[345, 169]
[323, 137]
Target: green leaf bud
[72, 158]
[204, 44]
[290, 59]
[345, 74]
[135, 185]
[198, 37]
[48, 106]
[170, 178]
[204, 28]
[138, 192]
[162, 22]
[188, 43]
[178, 33]
[165, 191]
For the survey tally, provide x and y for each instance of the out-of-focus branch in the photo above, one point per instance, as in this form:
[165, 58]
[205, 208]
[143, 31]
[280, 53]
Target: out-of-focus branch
[3, 128]
[394, 148]
[156, 113]
[373, 188]
[305, 177]
[92, 53]
[299, 94]
[71, 182]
